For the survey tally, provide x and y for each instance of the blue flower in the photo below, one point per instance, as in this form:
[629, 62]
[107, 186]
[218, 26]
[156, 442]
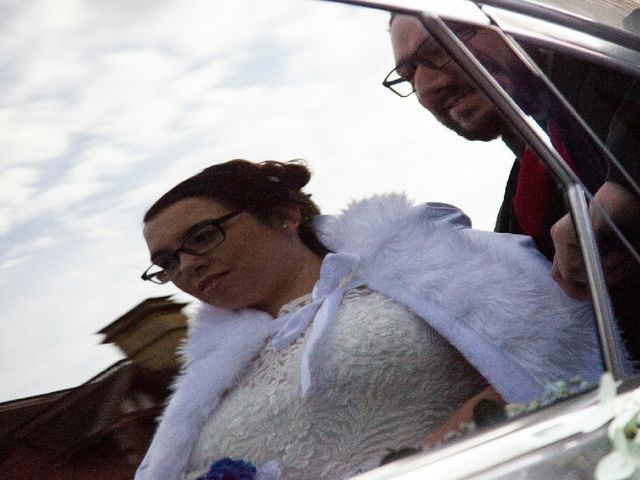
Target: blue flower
[228, 469]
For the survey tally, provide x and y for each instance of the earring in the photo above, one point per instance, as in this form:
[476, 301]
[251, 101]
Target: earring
[285, 225]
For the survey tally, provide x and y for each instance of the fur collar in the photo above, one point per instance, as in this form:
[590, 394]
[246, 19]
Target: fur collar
[491, 295]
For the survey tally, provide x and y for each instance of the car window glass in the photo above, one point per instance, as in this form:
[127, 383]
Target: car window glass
[605, 99]
[595, 139]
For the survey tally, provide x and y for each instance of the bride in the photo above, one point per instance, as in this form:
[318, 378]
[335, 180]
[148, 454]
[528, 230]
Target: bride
[322, 344]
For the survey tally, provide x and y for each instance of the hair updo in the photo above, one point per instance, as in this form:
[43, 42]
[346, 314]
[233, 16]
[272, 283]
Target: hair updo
[261, 189]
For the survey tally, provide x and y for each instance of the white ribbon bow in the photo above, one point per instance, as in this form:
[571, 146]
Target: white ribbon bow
[336, 278]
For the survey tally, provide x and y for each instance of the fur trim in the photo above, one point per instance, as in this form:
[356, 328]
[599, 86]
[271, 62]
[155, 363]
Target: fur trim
[219, 346]
[491, 295]
[365, 223]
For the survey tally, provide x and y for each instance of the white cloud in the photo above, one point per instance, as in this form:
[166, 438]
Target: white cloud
[17, 189]
[13, 256]
[64, 195]
[29, 247]
[102, 161]
[31, 137]
[17, 184]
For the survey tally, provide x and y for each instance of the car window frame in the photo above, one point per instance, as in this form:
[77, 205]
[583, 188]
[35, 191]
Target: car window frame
[576, 193]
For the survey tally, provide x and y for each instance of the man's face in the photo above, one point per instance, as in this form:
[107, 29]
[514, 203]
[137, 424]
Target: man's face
[448, 93]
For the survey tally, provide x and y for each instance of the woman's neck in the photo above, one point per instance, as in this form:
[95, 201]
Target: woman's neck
[301, 281]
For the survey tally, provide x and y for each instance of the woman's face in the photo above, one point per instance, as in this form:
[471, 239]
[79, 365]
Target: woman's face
[250, 268]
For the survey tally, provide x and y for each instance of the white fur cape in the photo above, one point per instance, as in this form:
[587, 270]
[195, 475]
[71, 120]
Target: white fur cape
[490, 295]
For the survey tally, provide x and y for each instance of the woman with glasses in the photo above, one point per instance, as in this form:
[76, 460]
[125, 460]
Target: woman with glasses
[322, 344]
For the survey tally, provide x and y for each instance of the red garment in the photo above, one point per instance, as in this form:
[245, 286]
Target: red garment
[534, 187]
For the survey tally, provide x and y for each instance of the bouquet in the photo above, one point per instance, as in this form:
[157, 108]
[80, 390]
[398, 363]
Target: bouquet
[229, 469]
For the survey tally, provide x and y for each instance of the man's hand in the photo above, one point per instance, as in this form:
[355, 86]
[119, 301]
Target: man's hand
[568, 268]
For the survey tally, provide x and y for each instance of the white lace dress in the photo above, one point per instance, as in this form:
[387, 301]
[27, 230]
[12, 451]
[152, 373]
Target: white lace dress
[382, 379]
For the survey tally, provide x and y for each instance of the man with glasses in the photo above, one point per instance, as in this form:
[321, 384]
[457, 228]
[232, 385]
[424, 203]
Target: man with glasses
[533, 204]
[440, 85]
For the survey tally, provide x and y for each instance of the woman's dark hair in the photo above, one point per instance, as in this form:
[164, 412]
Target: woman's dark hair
[261, 189]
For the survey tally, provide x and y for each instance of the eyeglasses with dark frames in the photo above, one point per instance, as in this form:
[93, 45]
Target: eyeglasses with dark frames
[199, 239]
[429, 54]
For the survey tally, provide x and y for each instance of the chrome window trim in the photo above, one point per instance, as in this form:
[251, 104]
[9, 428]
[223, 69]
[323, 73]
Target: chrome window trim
[478, 456]
[547, 13]
[469, 457]
[461, 10]
[609, 46]
[572, 21]
[563, 38]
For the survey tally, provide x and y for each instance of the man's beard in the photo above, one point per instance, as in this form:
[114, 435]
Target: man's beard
[485, 129]
[490, 123]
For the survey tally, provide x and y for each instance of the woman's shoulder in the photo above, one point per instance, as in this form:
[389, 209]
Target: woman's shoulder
[367, 223]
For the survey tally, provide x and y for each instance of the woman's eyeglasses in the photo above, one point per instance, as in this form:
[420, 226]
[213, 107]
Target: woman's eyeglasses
[199, 239]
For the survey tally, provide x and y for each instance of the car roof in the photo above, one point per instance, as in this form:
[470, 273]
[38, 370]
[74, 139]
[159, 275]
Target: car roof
[611, 13]
[603, 31]
[621, 15]
[607, 12]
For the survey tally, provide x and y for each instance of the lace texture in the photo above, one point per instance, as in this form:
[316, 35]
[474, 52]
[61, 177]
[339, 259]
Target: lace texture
[382, 379]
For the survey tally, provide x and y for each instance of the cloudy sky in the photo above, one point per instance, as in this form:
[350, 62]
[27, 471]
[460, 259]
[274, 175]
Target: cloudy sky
[105, 105]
